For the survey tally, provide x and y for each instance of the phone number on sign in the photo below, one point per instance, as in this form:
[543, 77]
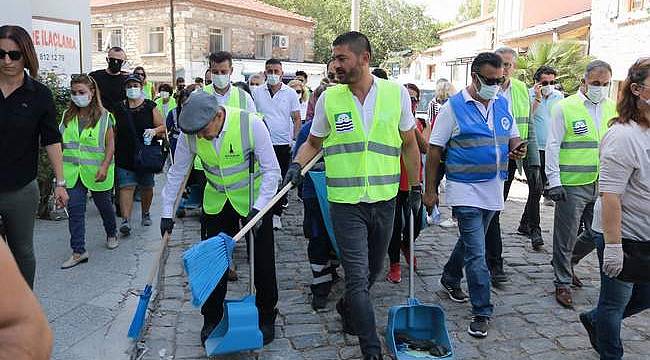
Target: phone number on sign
[51, 57]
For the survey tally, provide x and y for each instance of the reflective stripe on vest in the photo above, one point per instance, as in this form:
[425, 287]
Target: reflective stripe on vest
[83, 153]
[520, 106]
[362, 165]
[472, 153]
[227, 171]
[579, 162]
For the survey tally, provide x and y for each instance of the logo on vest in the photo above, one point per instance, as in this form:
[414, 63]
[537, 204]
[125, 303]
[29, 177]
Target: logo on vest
[343, 122]
[580, 127]
[505, 123]
[231, 153]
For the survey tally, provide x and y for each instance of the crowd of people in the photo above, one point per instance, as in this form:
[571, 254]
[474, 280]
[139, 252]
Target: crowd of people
[587, 154]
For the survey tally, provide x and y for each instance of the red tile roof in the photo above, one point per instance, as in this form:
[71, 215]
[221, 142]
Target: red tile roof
[249, 5]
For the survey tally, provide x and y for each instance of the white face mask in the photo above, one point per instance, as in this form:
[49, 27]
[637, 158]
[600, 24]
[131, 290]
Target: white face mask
[81, 100]
[597, 93]
[488, 92]
[546, 90]
[133, 93]
[164, 94]
[273, 79]
[221, 81]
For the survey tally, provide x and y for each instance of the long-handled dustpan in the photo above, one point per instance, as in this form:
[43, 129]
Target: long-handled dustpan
[239, 328]
[417, 331]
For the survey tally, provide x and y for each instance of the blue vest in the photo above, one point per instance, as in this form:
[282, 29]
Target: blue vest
[472, 154]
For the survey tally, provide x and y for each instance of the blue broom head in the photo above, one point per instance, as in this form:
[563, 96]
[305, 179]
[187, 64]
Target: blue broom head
[205, 264]
[140, 313]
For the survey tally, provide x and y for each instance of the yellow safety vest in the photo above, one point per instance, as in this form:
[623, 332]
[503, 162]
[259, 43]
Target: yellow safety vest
[83, 153]
[520, 106]
[171, 105]
[360, 165]
[227, 172]
[579, 162]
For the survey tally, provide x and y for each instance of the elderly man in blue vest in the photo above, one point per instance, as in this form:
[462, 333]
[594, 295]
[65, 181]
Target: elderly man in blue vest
[479, 135]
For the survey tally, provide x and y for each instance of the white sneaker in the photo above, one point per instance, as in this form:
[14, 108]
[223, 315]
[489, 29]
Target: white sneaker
[75, 260]
[112, 242]
[449, 223]
[277, 222]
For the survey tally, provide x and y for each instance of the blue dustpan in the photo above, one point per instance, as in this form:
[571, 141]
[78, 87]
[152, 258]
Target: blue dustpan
[417, 321]
[239, 329]
[318, 178]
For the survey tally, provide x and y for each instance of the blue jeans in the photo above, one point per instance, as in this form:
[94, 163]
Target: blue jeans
[618, 300]
[77, 214]
[470, 252]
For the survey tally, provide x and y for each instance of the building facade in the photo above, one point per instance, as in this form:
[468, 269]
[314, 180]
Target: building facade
[248, 28]
[619, 34]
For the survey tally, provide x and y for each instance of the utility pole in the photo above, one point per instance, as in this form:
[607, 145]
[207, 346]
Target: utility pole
[173, 41]
[356, 5]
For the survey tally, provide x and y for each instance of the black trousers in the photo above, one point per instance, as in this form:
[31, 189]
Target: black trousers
[283, 154]
[322, 258]
[493, 241]
[227, 221]
[530, 217]
[401, 226]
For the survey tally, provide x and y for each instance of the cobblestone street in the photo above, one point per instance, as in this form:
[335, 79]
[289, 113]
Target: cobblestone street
[528, 323]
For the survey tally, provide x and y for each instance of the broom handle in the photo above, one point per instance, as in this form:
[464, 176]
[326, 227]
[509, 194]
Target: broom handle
[165, 238]
[251, 236]
[275, 199]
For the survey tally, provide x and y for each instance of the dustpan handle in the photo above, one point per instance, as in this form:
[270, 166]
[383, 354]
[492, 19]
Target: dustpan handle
[251, 235]
[275, 199]
[411, 255]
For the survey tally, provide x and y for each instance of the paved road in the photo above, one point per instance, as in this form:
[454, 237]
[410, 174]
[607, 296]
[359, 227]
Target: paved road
[90, 306]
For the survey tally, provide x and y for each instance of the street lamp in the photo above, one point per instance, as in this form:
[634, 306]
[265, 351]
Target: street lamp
[354, 26]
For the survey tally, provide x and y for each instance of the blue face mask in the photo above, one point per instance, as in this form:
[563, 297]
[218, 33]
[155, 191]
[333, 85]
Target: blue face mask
[134, 93]
[488, 92]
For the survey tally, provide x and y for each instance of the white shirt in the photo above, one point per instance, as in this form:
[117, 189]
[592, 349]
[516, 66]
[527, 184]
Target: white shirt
[184, 160]
[485, 195]
[223, 99]
[277, 111]
[303, 110]
[321, 127]
[556, 131]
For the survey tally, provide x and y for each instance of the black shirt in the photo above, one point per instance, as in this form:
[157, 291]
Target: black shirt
[26, 116]
[142, 117]
[111, 87]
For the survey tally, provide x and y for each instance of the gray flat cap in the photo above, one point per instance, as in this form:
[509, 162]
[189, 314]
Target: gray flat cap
[199, 109]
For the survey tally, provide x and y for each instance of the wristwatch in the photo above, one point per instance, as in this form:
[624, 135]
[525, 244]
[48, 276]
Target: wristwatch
[60, 183]
[416, 188]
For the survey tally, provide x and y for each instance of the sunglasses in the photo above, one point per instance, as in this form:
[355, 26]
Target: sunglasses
[299, 91]
[14, 55]
[81, 77]
[545, 83]
[490, 82]
[331, 76]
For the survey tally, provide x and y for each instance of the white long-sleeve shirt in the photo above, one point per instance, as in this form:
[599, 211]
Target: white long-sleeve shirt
[264, 154]
[556, 132]
[223, 99]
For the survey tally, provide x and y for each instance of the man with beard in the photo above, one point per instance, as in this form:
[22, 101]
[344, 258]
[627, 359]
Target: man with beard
[363, 125]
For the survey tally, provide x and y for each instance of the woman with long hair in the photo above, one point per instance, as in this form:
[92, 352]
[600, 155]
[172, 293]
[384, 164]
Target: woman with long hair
[28, 121]
[88, 147]
[621, 216]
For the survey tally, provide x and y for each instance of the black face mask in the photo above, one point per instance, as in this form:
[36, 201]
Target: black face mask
[114, 65]
[180, 87]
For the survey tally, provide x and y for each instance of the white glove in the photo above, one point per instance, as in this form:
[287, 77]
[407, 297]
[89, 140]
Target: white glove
[149, 133]
[613, 259]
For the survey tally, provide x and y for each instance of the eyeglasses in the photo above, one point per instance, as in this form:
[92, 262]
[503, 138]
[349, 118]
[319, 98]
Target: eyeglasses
[489, 82]
[331, 76]
[507, 65]
[14, 55]
[545, 83]
[299, 92]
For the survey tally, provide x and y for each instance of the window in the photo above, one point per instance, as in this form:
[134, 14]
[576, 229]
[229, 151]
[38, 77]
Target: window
[116, 38]
[156, 40]
[216, 40]
[260, 46]
[297, 50]
[99, 40]
[636, 5]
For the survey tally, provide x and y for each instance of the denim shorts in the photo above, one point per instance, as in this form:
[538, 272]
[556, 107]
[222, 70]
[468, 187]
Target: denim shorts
[128, 178]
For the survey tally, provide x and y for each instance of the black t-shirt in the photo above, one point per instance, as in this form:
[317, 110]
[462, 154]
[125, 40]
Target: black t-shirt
[26, 116]
[111, 88]
[142, 118]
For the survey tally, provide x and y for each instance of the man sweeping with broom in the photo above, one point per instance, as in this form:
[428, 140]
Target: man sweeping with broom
[224, 138]
[363, 125]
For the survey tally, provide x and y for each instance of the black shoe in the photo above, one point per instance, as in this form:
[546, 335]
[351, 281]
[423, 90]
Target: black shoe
[267, 326]
[345, 318]
[498, 276]
[125, 228]
[523, 230]
[591, 330]
[479, 326]
[373, 357]
[455, 293]
[207, 329]
[318, 303]
[536, 240]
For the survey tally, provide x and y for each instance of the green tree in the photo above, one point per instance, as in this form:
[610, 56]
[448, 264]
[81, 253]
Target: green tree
[391, 25]
[471, 9]
[566, 57]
